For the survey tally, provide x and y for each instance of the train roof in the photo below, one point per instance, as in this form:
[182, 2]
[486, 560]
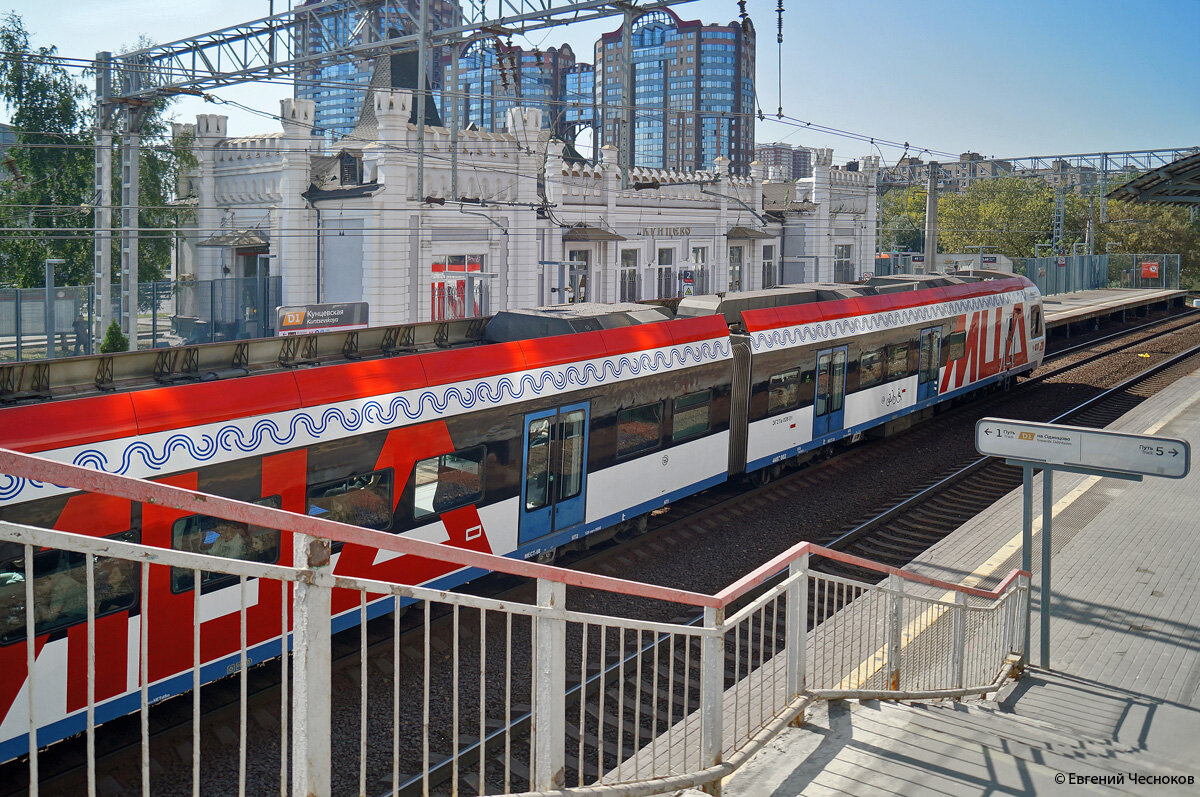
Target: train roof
[734, 305]
[564, 319]
[112, 375]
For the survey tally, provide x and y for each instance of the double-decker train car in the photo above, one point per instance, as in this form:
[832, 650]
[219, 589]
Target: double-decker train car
[563, 425]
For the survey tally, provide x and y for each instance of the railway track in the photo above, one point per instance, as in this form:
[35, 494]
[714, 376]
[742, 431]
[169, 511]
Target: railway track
[682, 525]
[894, 537]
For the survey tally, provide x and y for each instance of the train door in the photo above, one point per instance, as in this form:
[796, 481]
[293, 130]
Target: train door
[554, 485]
[830, 401]
[1015, 322]
[931, 360]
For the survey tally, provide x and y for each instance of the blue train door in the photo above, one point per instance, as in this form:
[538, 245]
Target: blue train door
[931, 360]
[554, 484]
[829, 406]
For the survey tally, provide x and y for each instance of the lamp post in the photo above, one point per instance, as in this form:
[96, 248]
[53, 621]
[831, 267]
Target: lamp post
[48, 324]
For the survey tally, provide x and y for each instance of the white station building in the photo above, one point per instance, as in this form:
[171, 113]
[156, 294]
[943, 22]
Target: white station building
[501, 220]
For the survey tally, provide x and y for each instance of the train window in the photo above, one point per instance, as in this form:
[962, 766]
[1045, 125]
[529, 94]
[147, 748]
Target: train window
[573, 430]
[956, 346]
[220, 537]
[1035, 322]
[639, 429]
[897, 363]
[60, 589]
[364, 499]
[870, 368]
[448, 482]
[537, 465]
[690, 417]
[784, 391]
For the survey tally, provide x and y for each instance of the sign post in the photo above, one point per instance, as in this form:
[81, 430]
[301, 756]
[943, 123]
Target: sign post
[1074, 449]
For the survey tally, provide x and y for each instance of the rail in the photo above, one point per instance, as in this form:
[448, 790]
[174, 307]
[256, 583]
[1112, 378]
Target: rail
[690, 704]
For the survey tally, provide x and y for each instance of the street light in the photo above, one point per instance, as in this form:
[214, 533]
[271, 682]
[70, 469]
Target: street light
[48, 306]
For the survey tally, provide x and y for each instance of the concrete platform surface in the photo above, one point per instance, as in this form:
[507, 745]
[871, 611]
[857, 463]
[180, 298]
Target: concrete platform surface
[1119, 710]
[1063, 309]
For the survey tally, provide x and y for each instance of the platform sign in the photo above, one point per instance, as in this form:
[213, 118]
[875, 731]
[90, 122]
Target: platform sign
[1075, 446]
[310, 318]
[1149, 270]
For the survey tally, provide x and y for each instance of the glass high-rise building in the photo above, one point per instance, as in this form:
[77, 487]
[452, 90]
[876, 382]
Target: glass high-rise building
[338, 89]
[494, 77]
[693, 92]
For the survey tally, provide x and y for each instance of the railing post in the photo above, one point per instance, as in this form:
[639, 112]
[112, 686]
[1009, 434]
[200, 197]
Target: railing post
[311, 604]
[960, 637]
[1026, 602]
[796, 639]
[895, 614]
[712, 693]
[550, 690]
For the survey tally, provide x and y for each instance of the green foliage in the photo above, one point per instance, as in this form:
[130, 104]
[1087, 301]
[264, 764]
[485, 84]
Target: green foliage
[46, 179]
[1011, 214]
[47, 176]
[1016, 214]
[114, 340]
[1147, 228]
[903, 220]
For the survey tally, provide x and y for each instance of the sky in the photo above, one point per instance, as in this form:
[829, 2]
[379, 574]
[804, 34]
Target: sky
[1005, 79]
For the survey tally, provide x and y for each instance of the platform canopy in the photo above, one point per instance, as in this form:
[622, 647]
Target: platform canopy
[1177, 183]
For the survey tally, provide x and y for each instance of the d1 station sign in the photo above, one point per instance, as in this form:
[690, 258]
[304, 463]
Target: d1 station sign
[1099, 449]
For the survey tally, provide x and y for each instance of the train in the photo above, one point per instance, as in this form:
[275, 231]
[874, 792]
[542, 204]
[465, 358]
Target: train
[561, 426]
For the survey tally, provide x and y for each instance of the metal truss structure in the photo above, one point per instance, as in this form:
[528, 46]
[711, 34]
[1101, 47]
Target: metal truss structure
[1103, 164]
[267, 46]
[274, 46]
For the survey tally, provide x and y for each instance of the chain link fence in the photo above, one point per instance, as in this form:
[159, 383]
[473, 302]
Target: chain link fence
[1067, 273]
[169, 314]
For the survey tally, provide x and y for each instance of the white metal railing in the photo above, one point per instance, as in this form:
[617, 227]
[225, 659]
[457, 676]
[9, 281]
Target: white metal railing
[510, 696]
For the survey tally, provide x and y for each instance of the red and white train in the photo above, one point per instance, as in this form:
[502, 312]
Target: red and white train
[570, 421]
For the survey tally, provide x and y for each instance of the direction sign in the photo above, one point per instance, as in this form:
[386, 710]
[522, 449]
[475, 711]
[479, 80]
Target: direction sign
[1100, 449]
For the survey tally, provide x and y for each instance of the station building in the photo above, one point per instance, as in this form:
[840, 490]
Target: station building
[519, 225]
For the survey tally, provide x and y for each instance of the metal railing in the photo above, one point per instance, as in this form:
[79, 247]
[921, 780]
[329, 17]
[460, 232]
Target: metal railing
[169, 314]
[1069, 273]
[1065, 274]
[621, 705]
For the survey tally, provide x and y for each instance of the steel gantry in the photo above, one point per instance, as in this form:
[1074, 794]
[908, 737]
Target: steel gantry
[1101, 164]
[301, 38]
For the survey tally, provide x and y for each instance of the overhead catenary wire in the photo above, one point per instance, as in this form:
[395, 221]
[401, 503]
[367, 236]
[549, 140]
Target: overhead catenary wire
[601, 107]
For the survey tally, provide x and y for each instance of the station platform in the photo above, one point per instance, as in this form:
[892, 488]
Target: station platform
[1119, 709]
[1075, 309]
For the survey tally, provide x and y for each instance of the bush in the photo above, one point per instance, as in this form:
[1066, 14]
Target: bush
[114, 341]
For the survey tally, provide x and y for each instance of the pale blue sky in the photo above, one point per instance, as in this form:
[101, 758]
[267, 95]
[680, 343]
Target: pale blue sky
[1021, 77]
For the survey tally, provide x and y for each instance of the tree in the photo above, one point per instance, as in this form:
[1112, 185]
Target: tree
[1135, 228]
[1009, 214]
[902, 215]
[46, 179]
[114, 340]
[47, 176]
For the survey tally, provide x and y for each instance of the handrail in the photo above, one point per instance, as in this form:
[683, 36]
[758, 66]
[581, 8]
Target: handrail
[80, 478]
[64, 474]
[765, 571]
